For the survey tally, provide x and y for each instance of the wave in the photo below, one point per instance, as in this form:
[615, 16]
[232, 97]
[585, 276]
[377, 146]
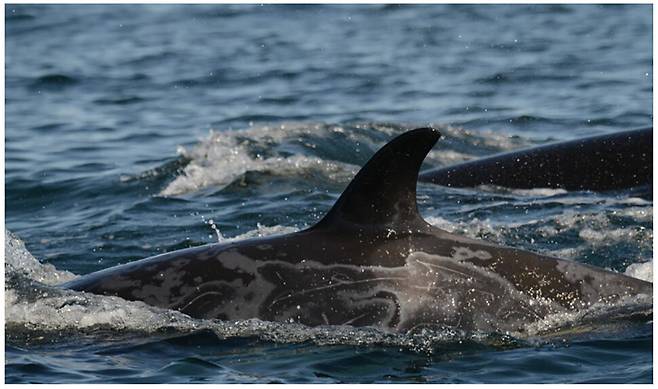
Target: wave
[297, 149]
[589, 230]
[222, 158]
[19, 261]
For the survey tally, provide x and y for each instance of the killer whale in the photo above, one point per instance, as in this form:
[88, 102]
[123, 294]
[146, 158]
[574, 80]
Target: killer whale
[371, 261]
[607, 162]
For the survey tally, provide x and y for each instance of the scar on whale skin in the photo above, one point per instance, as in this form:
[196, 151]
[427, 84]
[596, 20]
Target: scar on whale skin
[371, 261]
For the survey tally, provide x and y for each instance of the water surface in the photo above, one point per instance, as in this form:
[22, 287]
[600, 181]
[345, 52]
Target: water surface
[133, 130]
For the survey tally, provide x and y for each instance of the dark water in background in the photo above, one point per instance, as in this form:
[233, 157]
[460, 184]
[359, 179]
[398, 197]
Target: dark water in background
[109, 159]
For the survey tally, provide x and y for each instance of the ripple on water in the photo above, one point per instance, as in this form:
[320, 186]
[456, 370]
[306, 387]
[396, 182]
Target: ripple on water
[94, 116]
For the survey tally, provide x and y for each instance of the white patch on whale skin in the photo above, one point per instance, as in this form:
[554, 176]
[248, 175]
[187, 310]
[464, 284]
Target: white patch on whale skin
[171, 278]
[245, 299]
[464, 253]
[596, 286]
[473, 293]
[426, 290]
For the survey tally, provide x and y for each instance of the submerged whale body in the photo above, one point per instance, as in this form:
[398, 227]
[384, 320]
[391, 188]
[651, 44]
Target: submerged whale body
[371, 261]
[614, 161]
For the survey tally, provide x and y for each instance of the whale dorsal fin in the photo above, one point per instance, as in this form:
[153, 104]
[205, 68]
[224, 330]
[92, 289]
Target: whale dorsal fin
[383, 193]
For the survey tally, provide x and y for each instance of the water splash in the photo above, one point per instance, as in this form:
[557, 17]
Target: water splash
[20, 261]
[292, 149]
[36, 310]
[224, 156]
[40, 312]
[643, 271]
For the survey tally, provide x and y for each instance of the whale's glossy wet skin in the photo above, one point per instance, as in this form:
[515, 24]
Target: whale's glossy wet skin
[372, 261]
[461, 284]
[620, 160]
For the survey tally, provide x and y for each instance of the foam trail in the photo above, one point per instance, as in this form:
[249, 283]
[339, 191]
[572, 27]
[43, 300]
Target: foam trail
[289, 148]
[223, 157]
[20, 261]
[643, 271]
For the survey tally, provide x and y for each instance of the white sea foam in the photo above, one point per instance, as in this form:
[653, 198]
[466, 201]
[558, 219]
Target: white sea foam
[224, 156]
[19, 260]
[475, 228]
[445, 157]
[534, 192]
[640, 214]
[643, 271]
[613, 235]
[497, 141]
[261, 231]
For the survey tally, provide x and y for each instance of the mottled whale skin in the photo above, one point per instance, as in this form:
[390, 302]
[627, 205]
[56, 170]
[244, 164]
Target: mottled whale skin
[614, 161]
[371, 261]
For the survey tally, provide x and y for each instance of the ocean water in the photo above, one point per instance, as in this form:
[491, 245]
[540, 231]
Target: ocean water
[134, 130]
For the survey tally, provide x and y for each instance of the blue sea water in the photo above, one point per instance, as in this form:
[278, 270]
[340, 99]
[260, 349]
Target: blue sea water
[133, 130]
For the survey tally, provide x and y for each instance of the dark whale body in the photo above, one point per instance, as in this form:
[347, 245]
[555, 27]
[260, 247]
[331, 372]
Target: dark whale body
[599, 163]
[372, 261]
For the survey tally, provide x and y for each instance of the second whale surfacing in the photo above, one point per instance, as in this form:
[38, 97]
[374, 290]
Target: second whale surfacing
[616, 161]
[371, 261]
